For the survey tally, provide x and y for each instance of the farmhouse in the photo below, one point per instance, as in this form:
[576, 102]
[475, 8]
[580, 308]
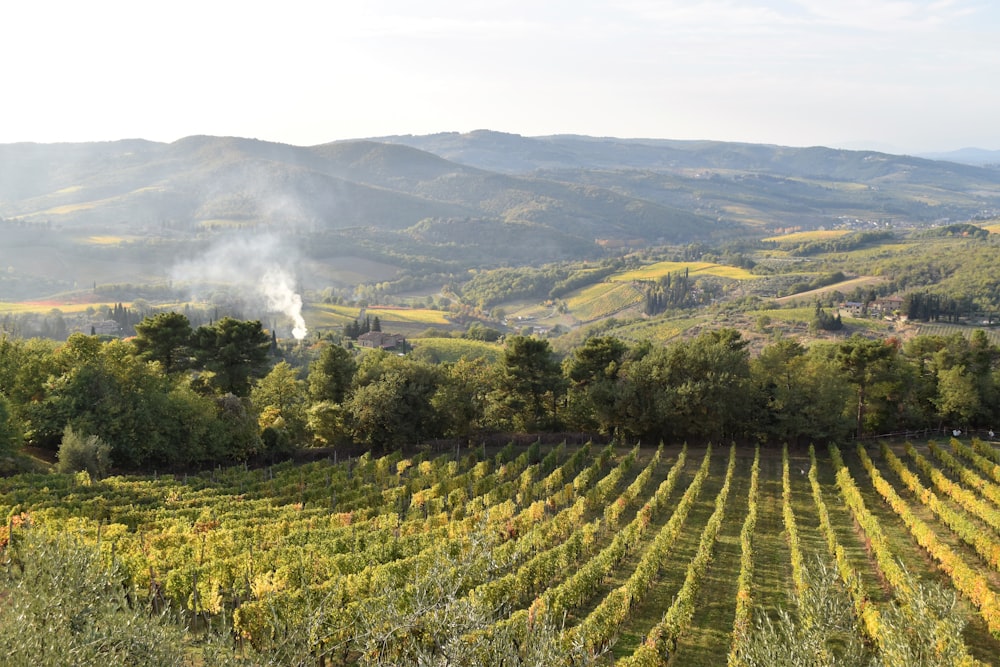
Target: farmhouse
[855, 308]
[888, 305]
[379, 340]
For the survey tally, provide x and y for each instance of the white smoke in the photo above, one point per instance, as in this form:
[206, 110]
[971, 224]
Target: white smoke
[257, 267]
[276, 286]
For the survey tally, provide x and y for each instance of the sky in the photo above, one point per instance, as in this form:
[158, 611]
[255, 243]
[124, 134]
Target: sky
[906, 76]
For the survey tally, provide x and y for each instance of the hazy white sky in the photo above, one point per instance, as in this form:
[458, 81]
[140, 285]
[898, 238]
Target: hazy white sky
[900, 75]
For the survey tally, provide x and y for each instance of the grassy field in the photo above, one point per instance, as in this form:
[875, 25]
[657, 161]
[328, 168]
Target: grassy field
[811, 235]
[152, 525]
[843, 287]
[453, 349]
[659, 330]
[603, 300]
[661, 269]
[326, 315]
[47, 305]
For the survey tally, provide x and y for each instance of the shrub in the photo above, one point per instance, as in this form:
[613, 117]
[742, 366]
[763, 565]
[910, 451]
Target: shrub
[64, 605]
[83, 452]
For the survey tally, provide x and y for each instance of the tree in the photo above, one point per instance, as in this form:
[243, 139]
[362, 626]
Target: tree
[864, 362]
[710, 381]
[462, 398]
[80, 452]
[9, 433]
[800, 396]
[235, 351]
[392, 403]
[532, 382]
[958, 396]
[166, 338]
[64, 604]
[331, 374]
[281, 395]
[144, 415]
[594, 378]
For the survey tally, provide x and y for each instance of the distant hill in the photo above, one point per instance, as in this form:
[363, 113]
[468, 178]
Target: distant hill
[516, 154]
[974, 156]
[431, 206]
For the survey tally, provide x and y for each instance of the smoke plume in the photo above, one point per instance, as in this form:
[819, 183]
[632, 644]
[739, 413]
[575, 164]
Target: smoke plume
[258, 268]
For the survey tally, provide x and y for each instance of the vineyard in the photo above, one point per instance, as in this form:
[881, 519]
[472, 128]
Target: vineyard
[638, 556]
[604, 300]
[939, 329]
[661, 269]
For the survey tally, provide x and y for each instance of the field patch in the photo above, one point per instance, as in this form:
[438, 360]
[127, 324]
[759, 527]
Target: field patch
[349, 270]
[661, 269]
[453, 349]
[604, 300]
[844, 286]
[810, 235]
[426, 316]
[47, 305]
[108, 240]
[392, 319]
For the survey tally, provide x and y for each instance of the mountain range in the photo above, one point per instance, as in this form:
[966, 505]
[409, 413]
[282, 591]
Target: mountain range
[127, 211]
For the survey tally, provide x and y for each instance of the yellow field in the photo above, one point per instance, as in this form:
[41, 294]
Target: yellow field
[326, 314]
[658, 331]
[603, 300]
[107, 240]
[87, 205]
[992, 228]
[453, 349]
[813, 235]
[48, 305]
[412, 315]
[73, 208]
[660, 269]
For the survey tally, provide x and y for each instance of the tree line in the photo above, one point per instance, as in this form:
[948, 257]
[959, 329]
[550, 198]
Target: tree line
[222, 392]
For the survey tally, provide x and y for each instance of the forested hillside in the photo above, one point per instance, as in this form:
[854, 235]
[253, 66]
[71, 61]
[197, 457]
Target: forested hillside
[130, 211]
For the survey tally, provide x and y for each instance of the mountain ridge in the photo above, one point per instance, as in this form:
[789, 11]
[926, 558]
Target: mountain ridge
[446, 202]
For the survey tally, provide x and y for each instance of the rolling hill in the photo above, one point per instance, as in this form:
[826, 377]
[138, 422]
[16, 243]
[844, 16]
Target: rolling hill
[434, 206]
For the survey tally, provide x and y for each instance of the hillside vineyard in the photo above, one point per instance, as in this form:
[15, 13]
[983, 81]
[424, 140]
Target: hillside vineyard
[585, 554]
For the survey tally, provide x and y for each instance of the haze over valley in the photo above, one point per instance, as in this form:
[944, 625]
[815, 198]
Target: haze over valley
[216, 209]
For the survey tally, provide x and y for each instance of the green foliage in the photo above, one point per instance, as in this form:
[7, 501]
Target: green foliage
[477, 331]
[958, 229]
[62, 604]
[330, 375]
[593, 372]
[841, 244]
[800, 395]
[391, 403]
[166, 338]
[822, 632]
[281, 401]
[79, 452]
[825, 321]
[693, 389]
[235, 351]
[866, 364]
[489, 288]
[10, 436]
[531, 382]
